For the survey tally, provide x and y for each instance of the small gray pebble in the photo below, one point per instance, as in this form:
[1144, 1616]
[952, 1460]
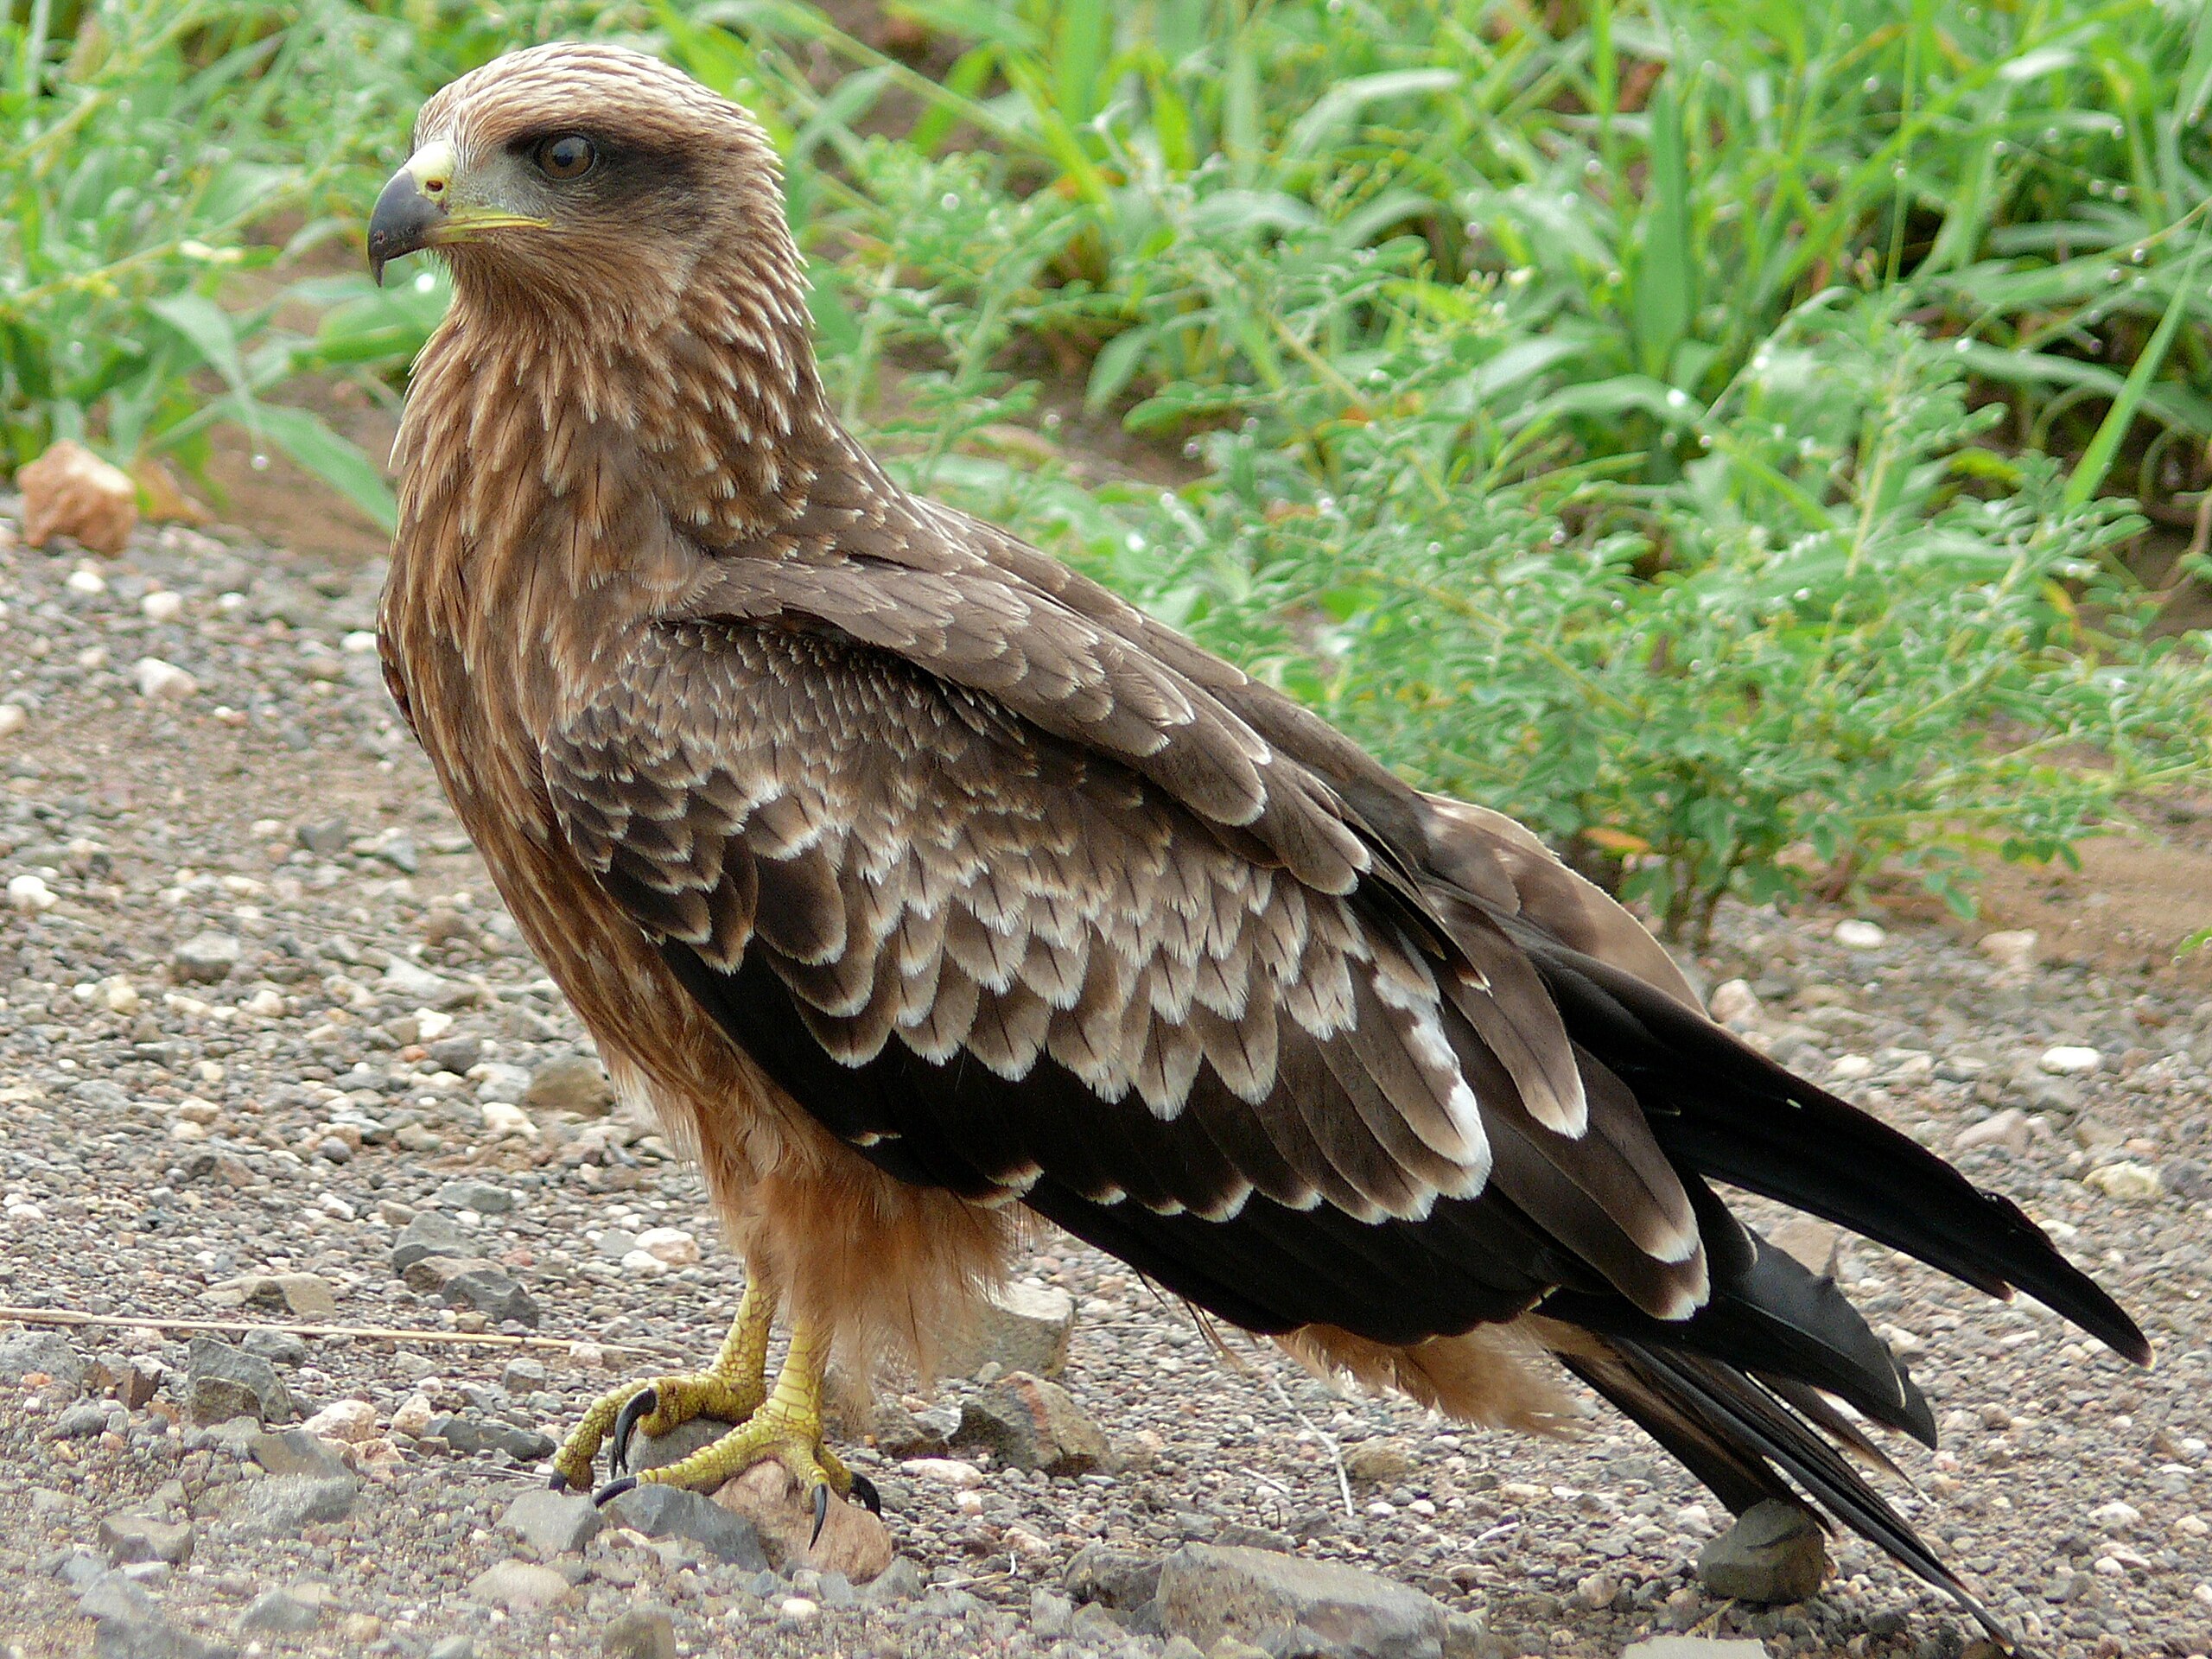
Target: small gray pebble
[279, 1611]
[646, 1632]
[277, 1347]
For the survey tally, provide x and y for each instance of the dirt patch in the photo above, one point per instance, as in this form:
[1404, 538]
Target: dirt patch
[2126, 909]
[2140, 892]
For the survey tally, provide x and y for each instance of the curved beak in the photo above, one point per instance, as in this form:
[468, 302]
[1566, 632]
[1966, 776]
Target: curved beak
[410, 212]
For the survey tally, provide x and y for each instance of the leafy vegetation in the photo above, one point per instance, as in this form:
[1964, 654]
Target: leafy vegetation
[1732, 436]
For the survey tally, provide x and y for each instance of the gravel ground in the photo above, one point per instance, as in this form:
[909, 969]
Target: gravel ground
[262, 1008]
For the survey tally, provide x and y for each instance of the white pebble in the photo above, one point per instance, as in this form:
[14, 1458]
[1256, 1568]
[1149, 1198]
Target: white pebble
[264, 1004]
[156, 678]
[798, 1607]
[496, 1080]
[331, 1203]
[350, 1422]
[413, 1417]
[30, 894]
[2116, 1517]
[430, 1025]
[2130, 1183]
[12, 719]
[1848, 1068]
[2007, 1129]
[86, 580]
[504, 1117]
[672, 1245]
[948, 1471]
[2067, 1059]
[1859, 935]
[2012, 948]
[360, 642]
[1735, 1003]
[639, 1265]
[119, 994]
[163, 606]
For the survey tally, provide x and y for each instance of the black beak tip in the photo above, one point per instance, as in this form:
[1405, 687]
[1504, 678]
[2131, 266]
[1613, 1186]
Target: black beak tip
[405, 220]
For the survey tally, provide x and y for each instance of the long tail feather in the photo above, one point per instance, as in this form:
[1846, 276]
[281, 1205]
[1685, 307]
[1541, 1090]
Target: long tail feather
[1727, 1111]
[1741, 1440]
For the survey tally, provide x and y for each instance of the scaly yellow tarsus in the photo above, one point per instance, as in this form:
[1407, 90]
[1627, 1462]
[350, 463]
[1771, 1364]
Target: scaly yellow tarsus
[787, 1427]
[732, 1389]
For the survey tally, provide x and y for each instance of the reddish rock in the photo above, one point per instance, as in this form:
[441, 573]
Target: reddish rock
[853, 1541]
[69, 491]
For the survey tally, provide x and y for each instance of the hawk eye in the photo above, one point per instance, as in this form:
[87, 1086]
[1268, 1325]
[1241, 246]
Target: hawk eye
[569, 157]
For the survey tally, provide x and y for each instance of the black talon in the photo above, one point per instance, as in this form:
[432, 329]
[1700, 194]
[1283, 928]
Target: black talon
[557, 1482]
[821, 1514]
[613, 1490]
[625, 1424]
[871, 1500]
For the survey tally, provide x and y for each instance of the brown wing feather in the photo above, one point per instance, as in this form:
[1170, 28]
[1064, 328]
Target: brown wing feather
[927, 869]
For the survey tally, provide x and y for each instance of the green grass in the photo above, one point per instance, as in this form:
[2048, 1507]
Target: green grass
[1724, 433]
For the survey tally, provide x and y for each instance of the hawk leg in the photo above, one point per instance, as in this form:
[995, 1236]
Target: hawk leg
[786, 1426]
[730, 1390]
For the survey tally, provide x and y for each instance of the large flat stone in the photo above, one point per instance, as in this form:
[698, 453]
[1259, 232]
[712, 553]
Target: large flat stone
[1209, 1591]
[223, 1383]
[1030, 1423]
[1018, 1327]
[1775, 1553]
[280, 1505]
[663, 1511]
[553, 1523]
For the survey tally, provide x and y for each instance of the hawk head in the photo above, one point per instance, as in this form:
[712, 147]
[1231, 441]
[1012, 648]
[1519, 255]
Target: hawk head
[586, 184]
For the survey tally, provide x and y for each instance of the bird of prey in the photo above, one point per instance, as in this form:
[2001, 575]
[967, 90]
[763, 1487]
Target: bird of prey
[918, 883]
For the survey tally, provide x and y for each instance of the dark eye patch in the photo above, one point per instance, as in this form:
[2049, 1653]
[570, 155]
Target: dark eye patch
[622, 169]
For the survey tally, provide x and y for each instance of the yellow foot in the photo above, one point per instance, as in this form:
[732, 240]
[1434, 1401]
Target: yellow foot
[786, 1426]
[793, 1439]
[730, 1392]
[655, 1406]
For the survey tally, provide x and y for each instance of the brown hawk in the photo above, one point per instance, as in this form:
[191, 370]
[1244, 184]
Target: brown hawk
[919, 883]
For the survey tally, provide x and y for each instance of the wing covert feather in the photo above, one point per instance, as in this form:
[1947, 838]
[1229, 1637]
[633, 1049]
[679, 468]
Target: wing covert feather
[940, 884]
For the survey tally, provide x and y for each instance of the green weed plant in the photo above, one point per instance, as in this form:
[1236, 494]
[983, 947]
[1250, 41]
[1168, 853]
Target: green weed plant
[1700, 430]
